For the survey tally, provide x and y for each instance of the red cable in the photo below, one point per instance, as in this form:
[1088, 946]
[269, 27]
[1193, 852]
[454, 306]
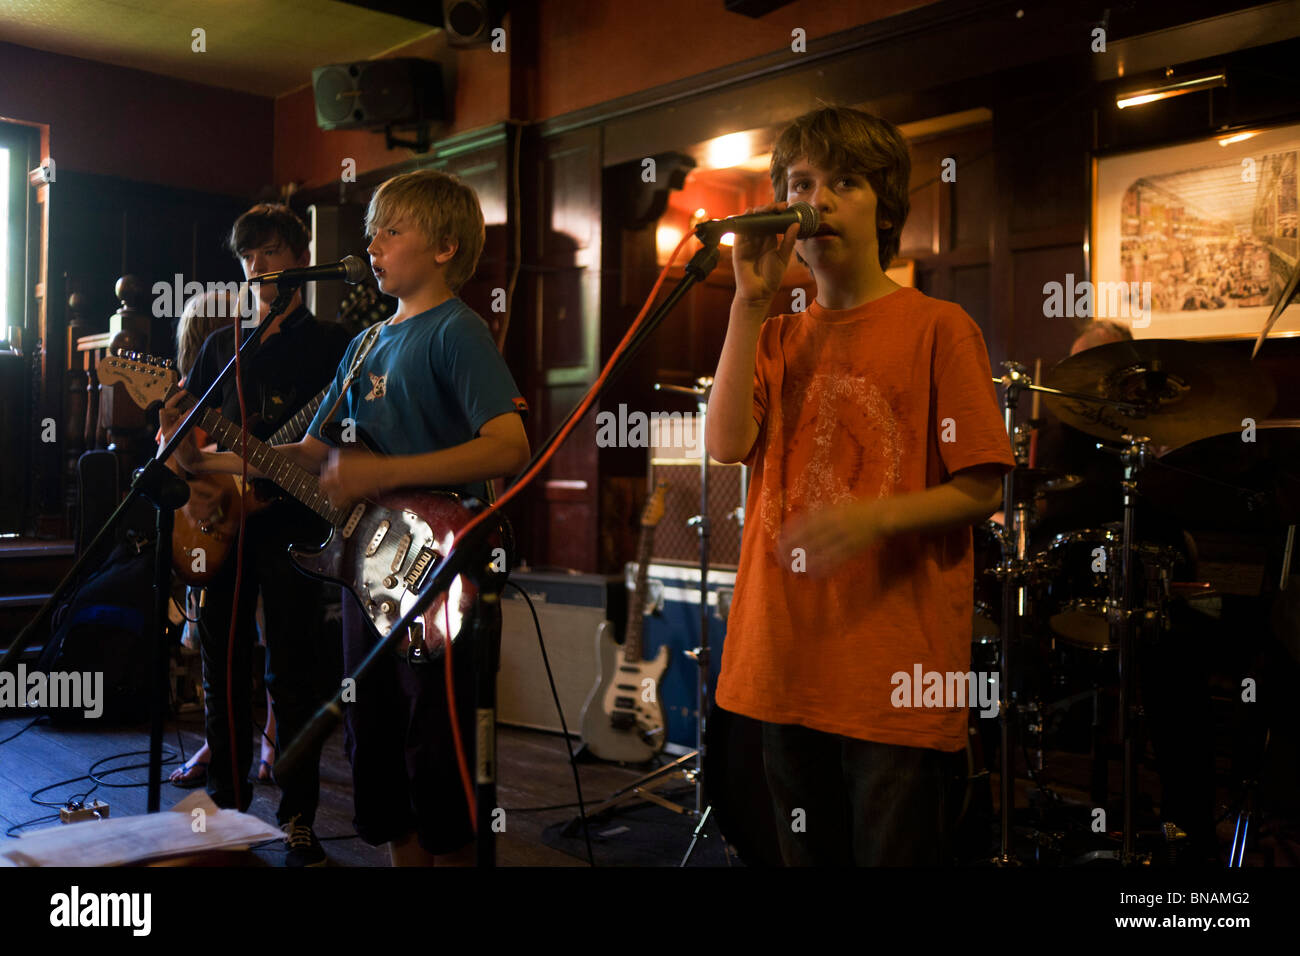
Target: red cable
[583, 407]
[239, 569]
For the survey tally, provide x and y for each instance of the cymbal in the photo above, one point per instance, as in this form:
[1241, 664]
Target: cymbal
[1187, 390]
[1031, 482]
[1225, 483]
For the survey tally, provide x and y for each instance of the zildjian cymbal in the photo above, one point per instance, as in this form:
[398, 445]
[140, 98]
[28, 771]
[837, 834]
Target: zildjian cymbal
[1184, 391]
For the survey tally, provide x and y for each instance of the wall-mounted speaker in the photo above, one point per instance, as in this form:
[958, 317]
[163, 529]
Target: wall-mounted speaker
[377, 93]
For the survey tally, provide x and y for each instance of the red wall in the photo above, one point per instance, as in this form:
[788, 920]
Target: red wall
[594, 50]
[587, 52]
[114, 121]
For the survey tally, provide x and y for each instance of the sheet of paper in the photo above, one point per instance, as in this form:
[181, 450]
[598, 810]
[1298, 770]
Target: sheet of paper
[192, 826]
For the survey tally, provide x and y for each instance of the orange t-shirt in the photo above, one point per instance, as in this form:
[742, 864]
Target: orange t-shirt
[891, 397]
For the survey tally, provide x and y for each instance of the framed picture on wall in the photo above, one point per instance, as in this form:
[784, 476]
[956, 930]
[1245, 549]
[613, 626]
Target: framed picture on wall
[1196, 241]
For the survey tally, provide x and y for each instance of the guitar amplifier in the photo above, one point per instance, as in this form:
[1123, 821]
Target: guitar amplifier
[570, 607]
[675, 540]
[674, 593]
[676, 445]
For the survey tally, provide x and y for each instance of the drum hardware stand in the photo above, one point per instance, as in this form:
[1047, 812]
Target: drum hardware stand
[1134, 458]
[1250, 787]
[1013, 574]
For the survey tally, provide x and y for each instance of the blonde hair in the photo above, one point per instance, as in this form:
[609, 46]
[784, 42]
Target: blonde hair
[203, 314]
[442, 208]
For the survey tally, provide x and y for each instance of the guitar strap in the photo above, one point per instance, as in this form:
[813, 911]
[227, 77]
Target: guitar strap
[367, 343]
[372, 334]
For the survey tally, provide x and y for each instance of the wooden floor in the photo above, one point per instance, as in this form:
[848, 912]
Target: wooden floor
[534, 772]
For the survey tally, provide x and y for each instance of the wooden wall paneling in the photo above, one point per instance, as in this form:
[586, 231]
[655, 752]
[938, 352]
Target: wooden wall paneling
[101, 227]
[567, 337]
[970, 289]
[1036, 335]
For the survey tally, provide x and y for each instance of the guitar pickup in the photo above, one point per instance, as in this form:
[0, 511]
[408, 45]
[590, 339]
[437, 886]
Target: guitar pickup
[380, 533]
[353, 519]
[403, 548]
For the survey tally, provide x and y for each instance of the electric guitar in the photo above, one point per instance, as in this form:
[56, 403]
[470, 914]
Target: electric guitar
[381, 551]
[214, 535]
[208, 523]
[623, 717]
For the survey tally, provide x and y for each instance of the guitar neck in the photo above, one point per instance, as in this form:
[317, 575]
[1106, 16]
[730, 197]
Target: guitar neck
[636, 609]
[288, 474]
[296, 427]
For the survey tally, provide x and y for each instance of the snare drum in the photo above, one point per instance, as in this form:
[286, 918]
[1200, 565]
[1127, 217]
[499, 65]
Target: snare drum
[1077, 571]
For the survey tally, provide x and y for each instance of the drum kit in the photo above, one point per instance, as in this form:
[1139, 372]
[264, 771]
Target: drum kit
[1186, 422]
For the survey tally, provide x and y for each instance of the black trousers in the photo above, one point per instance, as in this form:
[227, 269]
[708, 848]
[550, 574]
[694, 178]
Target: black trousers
[302, 666]
[840, 801]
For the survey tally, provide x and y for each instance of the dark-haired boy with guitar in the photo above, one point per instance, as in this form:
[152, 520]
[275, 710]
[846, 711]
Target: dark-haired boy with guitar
[293, 364]
[434, 397]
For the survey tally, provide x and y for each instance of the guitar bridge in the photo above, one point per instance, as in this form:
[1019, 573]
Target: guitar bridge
[419, 566]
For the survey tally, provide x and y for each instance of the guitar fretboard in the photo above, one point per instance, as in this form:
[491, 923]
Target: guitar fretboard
[636, 609]
[296, 427]
[275, 465]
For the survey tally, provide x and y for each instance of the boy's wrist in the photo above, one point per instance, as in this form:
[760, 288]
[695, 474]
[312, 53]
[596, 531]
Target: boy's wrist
[750, 311]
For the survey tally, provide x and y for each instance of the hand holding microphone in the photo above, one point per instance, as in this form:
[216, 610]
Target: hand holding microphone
[758, 255]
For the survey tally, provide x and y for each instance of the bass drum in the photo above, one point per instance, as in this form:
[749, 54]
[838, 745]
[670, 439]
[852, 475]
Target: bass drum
[736, 786]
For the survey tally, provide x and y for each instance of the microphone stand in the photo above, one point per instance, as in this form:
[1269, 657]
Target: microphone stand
[460, 559]
[165, 491]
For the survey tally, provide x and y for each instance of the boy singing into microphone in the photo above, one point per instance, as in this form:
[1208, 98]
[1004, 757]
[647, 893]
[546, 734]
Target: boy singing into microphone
[872, 429]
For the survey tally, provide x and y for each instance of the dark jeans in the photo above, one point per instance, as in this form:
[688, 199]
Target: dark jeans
[863, 803]
[301, 665]
[398, 734]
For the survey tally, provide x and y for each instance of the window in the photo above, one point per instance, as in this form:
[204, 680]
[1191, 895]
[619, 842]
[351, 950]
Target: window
[18, 146]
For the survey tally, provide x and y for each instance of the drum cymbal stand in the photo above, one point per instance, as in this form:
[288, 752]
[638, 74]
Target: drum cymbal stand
[1014, 575]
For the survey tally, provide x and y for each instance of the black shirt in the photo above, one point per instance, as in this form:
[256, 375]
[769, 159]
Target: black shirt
[287, 371]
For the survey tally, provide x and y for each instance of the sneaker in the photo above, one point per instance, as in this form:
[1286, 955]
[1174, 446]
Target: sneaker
[303, 849]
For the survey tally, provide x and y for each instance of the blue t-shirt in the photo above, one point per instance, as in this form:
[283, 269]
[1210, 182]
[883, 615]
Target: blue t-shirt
[428, 383]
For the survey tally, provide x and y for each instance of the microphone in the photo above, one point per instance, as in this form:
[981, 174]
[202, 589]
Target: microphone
[763, 222]
[350, 269]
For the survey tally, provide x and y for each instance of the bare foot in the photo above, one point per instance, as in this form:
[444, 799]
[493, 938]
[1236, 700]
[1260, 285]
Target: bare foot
[194, 772]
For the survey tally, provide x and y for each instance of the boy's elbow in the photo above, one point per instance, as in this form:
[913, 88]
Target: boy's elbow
[522, 455]
[992, 501]
[725, 449]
